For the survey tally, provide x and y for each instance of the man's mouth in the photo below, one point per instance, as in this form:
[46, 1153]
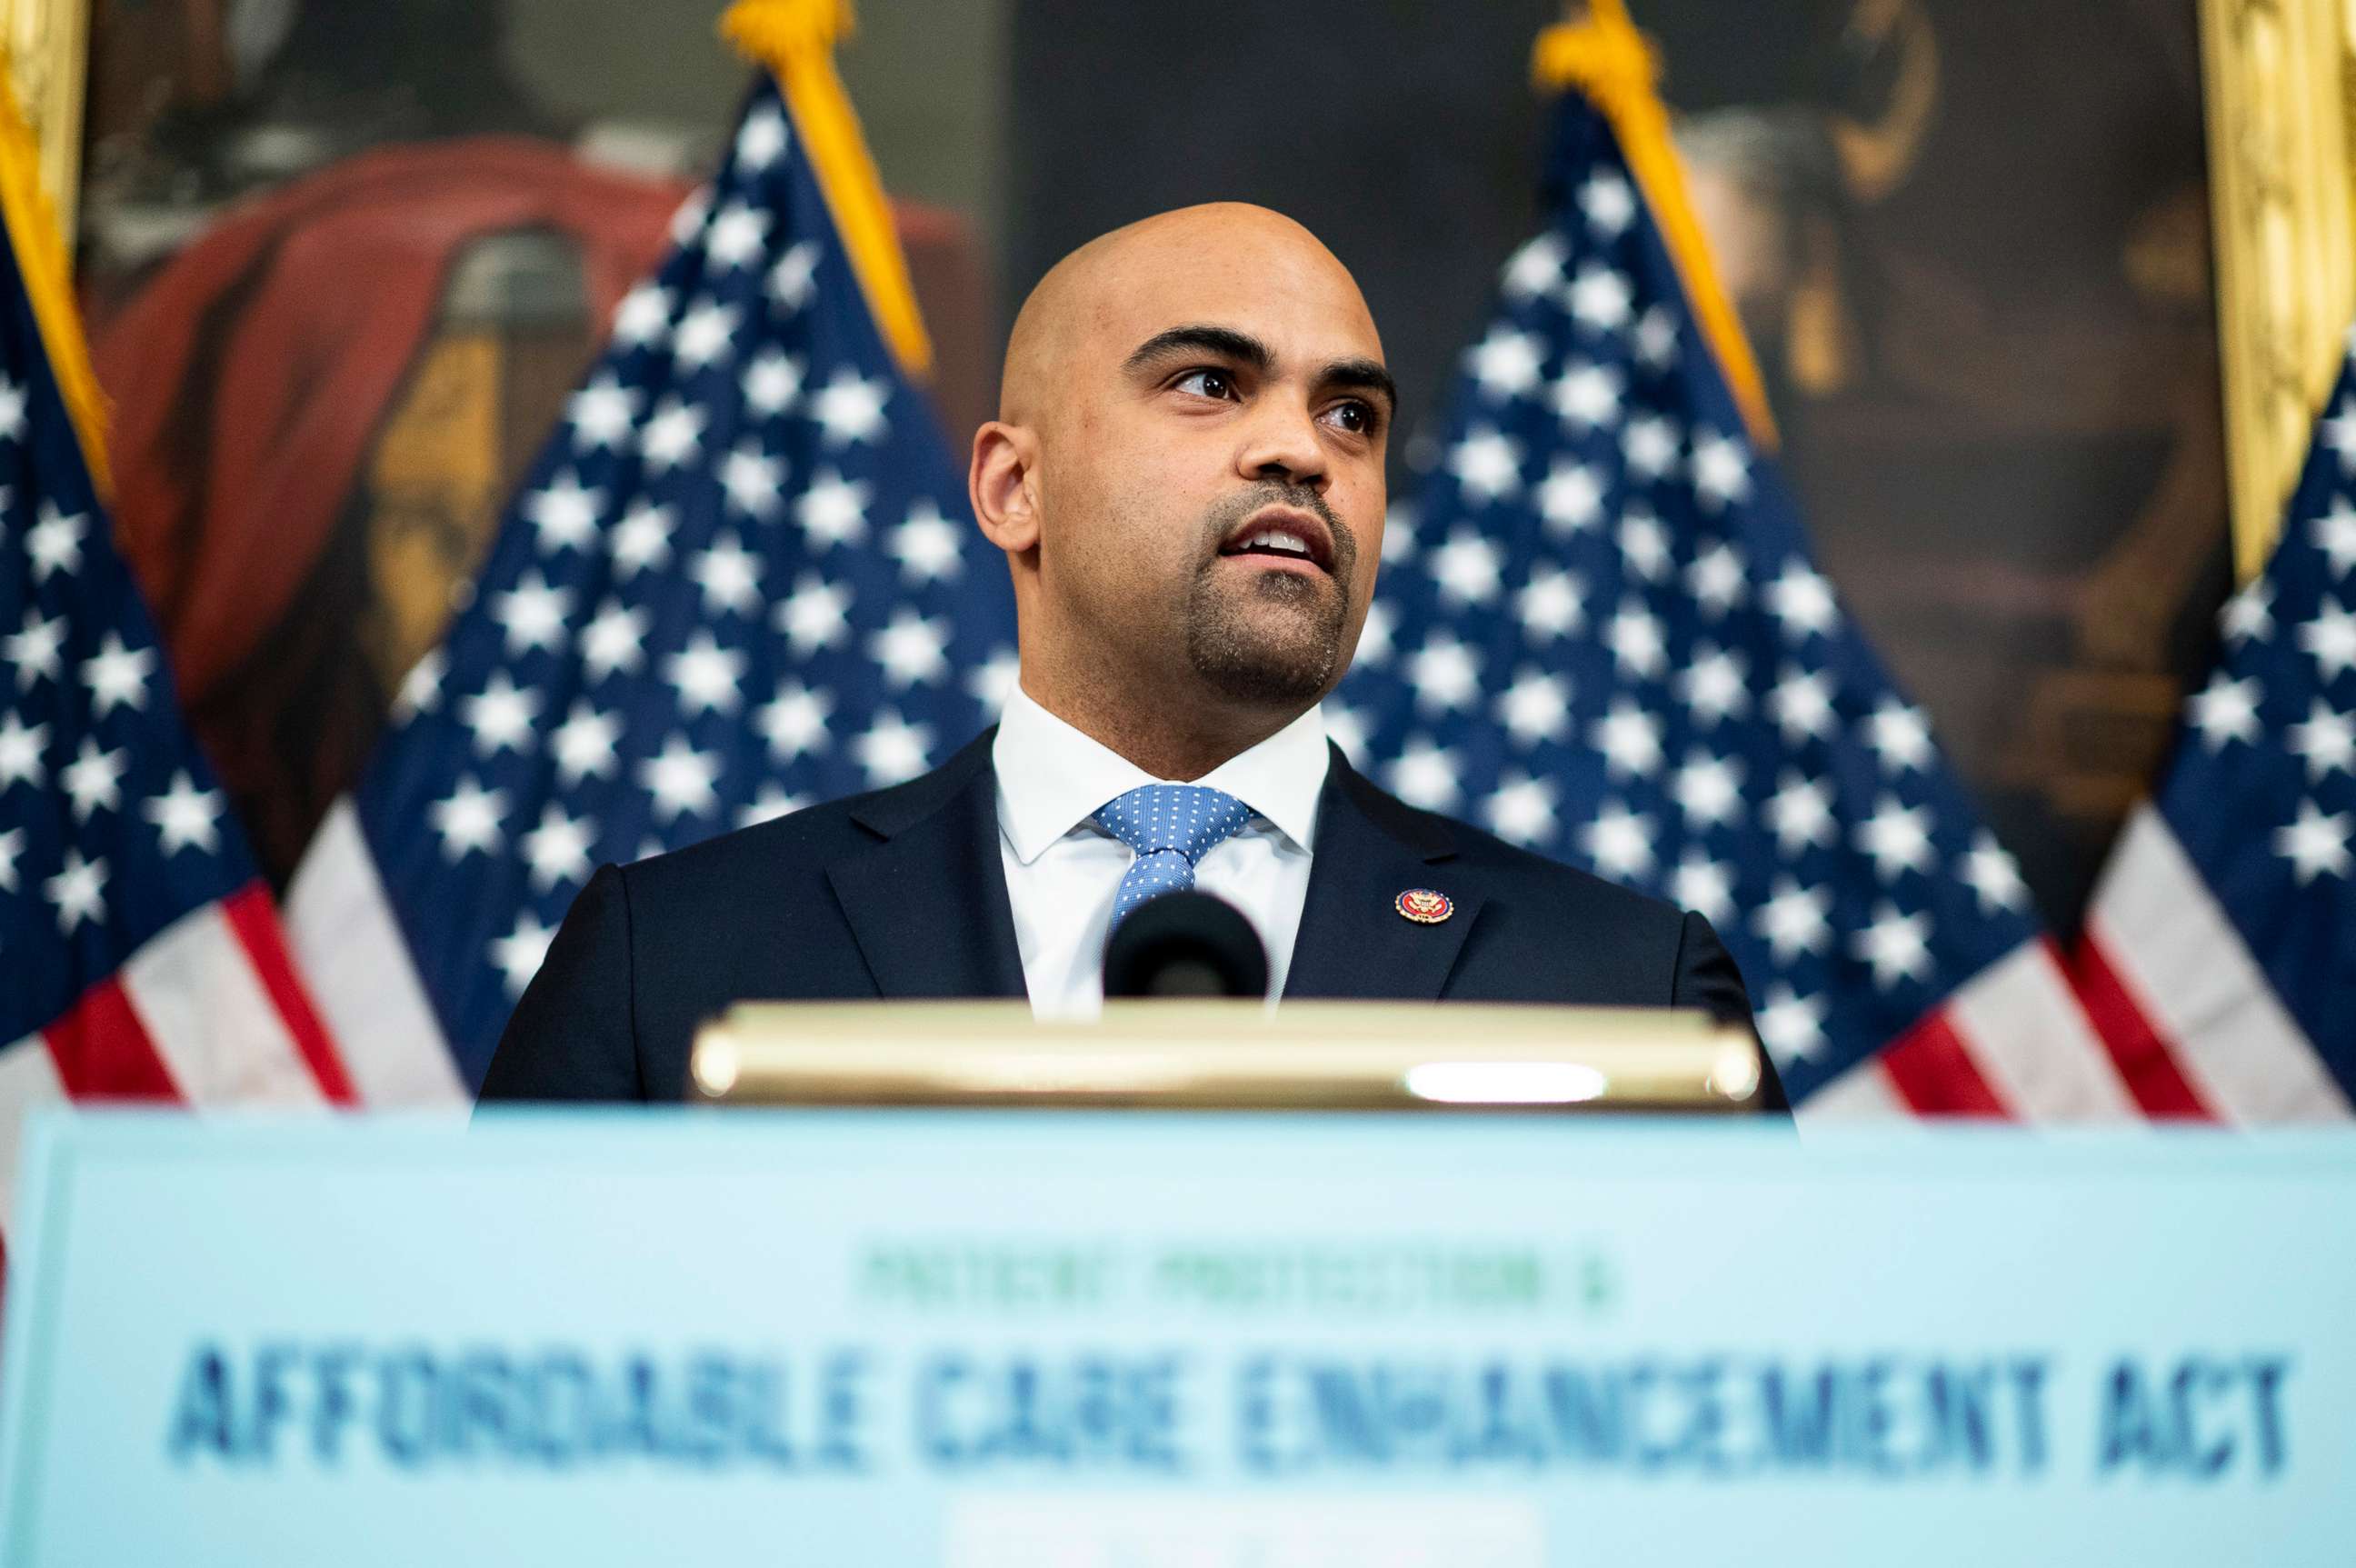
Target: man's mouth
[1284, 539]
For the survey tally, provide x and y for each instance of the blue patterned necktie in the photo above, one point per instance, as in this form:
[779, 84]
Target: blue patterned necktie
[1171, 826]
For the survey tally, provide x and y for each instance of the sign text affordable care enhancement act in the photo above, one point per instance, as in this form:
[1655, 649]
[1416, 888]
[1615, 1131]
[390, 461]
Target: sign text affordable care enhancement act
[1015, 1405]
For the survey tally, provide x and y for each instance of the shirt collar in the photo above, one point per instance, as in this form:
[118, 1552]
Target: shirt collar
[1052, 777]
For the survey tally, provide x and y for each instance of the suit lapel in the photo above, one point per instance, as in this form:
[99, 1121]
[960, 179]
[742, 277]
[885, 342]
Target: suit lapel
[1353, 942]
[927, 905]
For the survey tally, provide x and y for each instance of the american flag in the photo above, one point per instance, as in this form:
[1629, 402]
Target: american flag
[141, 952]
[2219, 958]
[1599, 634]
[741, 578]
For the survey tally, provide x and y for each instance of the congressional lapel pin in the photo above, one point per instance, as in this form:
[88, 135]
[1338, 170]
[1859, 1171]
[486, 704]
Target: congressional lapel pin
[1424, 906]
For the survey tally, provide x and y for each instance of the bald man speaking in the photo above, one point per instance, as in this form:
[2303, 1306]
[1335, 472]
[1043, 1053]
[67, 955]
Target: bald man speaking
[1186, 476]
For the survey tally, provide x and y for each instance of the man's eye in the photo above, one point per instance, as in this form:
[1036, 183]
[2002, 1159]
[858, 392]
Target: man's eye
[1354, 417]
[1207, 383]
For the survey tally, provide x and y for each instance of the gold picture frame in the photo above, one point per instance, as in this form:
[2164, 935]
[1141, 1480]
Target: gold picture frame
[48, 55]
[2280, 93]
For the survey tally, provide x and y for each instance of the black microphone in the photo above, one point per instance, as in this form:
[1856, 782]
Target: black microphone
[1185, 944]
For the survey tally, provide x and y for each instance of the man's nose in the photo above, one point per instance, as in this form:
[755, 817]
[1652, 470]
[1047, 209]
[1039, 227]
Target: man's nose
[1282, 443]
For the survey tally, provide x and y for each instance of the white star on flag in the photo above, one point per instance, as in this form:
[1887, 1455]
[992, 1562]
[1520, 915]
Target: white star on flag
[1619, 842]
[93, 780]
[468, 821]
[1535, 707]
[729, 575]
[522, 950]
[911, 651]
[1794, 919]
[892, 749]
[1608, 203]
[35, 650]
[1467, 568]
[1630, 740]
[1570, 498]
[79, 890]
[2331, 641]
[601, 413]
[1425, 775]
[1486, 465]
[557, 849]
[642, 539]
[1800, 814]
[185, 816]
[793, 720]
[21, 745]
[1446, 674]
[927, 546]
[1897, 945]
[565, 514]
[2225, 710]
[850, 408]
[706, 675]
[1586, 396]
[833, 511]
[2316, 842]
[751, 478]
[773, 382]
[814, 616]
[1600, 298]
[585, 744]
[1522, 810]
[682, 780]
[117, 676]
[1791, 1027]
[1552, 607]
[1507, 364]
[614, 643]
[2326, 742]
[501, 715]
[54, 543]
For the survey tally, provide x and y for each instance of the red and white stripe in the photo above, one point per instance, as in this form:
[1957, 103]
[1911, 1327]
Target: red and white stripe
[352, 953]
[207, 1011]
[2161, 1012]
[2012, 1043]
[2182, 1007]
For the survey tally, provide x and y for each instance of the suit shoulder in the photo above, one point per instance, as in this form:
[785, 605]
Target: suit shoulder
[809, 837]
[809, 840]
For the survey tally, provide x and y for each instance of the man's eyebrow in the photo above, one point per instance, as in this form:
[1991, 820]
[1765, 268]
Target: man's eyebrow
[1224, 341]
[1367, 375]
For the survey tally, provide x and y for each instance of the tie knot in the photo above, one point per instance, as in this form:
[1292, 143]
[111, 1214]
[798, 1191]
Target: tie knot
[1187, 818]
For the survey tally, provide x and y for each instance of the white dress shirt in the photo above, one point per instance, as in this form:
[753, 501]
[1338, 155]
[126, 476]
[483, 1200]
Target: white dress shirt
[1063, 870]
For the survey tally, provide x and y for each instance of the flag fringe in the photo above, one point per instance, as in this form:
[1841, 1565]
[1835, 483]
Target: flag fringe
[795, 40]
[1604, 58]
[40, 250]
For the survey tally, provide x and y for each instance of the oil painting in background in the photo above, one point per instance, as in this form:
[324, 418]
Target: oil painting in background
[1970, 241]
[343, 263]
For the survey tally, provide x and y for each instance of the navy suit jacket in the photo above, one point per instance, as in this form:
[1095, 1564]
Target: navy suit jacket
[900, 893]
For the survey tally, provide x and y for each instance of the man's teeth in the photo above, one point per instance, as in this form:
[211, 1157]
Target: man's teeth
[1274, 541]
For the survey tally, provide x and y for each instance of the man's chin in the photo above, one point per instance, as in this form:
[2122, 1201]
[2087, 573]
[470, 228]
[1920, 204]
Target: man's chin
[1269, 658]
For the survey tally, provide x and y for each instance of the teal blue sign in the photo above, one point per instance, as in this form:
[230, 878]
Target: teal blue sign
[981, 1340]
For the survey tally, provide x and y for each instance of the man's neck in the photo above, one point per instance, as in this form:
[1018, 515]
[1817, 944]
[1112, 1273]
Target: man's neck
[1179, 743]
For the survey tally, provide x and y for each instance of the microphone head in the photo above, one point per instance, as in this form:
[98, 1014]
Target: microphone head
[1185, 944]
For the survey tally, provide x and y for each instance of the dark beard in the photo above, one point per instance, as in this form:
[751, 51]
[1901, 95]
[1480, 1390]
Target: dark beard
[1242, 655]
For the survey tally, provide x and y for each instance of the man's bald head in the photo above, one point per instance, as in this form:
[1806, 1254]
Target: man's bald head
[1186, 476]
[1207, 245]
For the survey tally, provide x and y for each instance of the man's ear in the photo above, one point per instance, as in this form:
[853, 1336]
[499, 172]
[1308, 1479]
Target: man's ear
[999, 482]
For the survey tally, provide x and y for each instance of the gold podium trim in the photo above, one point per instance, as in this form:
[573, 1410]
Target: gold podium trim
[1226, 1056]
